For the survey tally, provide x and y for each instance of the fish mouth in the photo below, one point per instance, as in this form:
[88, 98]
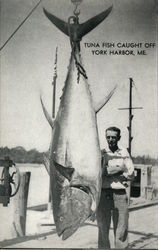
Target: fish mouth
[67, 232]
[88, 191]
[83, 188]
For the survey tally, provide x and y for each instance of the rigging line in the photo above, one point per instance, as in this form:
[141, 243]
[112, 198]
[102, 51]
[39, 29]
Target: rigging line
[137, 91]
[144, 114]
[20, 25]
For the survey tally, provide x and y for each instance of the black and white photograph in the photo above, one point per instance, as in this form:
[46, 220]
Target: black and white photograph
[78, 124]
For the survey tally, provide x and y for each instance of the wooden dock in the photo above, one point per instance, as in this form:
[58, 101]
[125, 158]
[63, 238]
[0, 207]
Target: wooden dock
[143, 234]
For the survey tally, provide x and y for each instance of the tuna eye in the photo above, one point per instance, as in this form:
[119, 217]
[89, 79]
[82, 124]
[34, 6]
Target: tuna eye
[61, 218]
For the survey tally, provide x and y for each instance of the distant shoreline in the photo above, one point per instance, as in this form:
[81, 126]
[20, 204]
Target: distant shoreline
[21, 155]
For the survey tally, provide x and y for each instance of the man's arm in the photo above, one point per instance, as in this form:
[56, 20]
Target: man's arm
[129, 172]
[115, 167]
[122, 167]
[111, 166]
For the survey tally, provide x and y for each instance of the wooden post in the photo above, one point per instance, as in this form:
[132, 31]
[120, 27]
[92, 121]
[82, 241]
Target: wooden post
[20, 206]
[128, 190]
[6, 184]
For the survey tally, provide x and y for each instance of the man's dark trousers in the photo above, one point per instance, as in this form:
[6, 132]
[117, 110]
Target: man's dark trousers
[113, 203]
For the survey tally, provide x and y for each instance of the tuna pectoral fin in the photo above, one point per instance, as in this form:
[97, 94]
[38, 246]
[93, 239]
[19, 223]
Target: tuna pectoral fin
[64, 171]
[101, 104]
[48, 117]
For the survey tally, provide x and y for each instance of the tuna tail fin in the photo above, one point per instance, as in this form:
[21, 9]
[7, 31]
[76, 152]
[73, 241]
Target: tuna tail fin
[101, 104]
[60, 24]
[93, 22]
[48, 117]
[83, 28]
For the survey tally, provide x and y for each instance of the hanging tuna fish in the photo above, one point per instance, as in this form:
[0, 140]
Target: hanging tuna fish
[75, 158]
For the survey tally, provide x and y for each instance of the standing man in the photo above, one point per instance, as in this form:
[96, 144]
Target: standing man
[117, 169]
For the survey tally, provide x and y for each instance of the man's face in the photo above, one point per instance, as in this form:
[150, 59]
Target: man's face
[112, 138]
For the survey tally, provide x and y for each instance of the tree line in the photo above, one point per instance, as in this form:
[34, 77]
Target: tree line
[21, 155]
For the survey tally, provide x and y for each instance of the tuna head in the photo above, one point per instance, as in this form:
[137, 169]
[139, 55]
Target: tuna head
[74, 198]
[71, 207]
[74, 209]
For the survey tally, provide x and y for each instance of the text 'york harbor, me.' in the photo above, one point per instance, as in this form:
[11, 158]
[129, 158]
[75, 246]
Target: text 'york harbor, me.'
[120, 48]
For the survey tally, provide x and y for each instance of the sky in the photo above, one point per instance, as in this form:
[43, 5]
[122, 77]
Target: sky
[27, 68]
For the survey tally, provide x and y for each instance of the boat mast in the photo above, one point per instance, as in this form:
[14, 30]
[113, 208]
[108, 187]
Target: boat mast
[130, 108]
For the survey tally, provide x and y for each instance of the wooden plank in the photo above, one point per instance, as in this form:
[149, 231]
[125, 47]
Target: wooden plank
[20, 206]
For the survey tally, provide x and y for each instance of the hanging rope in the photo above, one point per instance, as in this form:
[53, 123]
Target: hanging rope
[145, 115]
[20, 25]
[74, 45]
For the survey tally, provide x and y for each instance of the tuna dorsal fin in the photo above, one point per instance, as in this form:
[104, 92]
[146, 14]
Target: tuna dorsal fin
[101, 104]
[65, 171]
[47, 115]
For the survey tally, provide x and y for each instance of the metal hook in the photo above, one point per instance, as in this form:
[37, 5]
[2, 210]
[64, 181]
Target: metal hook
[76, 13]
